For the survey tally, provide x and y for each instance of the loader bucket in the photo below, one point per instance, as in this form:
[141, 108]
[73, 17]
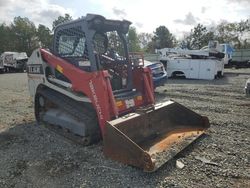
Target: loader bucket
[149, 139]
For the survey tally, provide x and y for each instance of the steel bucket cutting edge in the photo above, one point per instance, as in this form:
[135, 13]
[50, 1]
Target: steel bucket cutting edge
[149, 139]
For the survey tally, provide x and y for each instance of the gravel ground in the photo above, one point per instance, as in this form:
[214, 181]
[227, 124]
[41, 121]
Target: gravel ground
[32, 156]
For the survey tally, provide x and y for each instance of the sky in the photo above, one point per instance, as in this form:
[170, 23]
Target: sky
[179, 16]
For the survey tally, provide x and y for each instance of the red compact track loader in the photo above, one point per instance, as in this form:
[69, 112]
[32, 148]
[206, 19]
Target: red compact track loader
[90, 86]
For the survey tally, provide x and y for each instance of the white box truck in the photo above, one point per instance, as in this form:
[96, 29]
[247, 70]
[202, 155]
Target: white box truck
[205, 64]
[13, 61]
[207, 69]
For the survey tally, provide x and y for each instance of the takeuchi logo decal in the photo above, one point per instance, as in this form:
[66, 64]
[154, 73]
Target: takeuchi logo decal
[96, 101]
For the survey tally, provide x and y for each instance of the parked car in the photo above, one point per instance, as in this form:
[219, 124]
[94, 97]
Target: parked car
[158, 71]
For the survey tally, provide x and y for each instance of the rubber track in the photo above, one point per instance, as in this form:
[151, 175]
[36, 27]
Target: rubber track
[79, 110]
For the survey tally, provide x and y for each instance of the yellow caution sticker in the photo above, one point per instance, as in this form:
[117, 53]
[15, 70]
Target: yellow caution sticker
[59, 68]
[139, 98]
[119, 103]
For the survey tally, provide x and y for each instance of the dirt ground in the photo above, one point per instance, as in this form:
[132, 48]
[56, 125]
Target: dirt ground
[33, 156]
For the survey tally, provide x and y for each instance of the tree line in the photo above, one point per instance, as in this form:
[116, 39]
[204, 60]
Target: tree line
[237, 34]
[22, 35]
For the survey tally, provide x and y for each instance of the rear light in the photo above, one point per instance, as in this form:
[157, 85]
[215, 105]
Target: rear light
[139, 98]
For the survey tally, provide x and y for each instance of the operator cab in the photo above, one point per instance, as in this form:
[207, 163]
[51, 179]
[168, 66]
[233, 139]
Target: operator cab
[94, 43]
